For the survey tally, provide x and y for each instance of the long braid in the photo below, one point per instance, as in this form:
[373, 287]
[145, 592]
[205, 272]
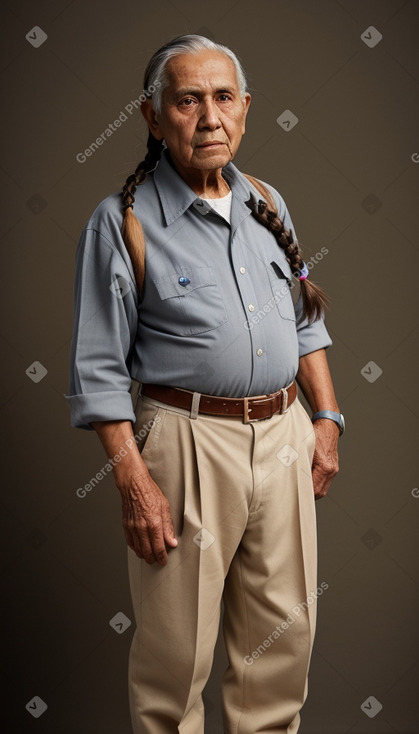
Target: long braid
[131, 230]
[315, 300]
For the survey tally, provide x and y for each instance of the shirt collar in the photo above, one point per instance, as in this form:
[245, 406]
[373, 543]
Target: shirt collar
[176, 196]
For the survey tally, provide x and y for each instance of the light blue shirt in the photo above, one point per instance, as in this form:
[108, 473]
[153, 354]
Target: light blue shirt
[217, 315]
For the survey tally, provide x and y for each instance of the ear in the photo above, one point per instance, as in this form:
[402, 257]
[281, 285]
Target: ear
[151, 118]
[246, 103]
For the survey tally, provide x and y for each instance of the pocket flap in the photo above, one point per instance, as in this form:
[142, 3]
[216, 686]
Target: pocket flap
[169, 286]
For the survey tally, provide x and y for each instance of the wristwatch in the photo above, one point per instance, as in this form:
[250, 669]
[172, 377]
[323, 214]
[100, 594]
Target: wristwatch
[337, 417]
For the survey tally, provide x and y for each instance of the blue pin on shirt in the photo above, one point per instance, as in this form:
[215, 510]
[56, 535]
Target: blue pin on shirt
[183, 280]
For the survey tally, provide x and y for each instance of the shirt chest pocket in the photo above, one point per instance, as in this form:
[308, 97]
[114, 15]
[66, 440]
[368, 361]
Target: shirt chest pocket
[283, 284]
[189, 302]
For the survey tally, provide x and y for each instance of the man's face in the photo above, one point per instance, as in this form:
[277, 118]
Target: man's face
[203, 117]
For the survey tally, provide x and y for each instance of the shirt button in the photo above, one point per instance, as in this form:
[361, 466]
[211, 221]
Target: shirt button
[242, 270]
[251, 307]
[259, 352]
[183, 280]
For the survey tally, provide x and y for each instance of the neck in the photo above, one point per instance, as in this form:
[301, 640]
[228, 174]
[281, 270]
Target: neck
[209, 184]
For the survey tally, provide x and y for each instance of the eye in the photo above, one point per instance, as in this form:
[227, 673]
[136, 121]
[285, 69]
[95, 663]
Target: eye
[188, 101]
[225, 98]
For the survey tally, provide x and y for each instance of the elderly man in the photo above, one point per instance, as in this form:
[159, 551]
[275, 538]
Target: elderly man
[194, 320]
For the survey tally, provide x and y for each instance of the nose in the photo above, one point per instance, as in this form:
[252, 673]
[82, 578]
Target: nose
[209, 115]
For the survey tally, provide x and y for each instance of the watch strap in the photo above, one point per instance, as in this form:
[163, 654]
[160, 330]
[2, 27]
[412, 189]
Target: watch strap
[332, 415]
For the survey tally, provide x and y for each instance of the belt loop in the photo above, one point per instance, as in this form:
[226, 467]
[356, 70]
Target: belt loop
[284, 406]
[246, 410]
[196, 397]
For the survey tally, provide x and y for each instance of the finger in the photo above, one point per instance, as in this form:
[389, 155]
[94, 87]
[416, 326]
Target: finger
[318, 483]
[156, 536]
[168, 527]
[133, 542]
[142, 532]
[128, 523]
[131, 545]
[323, 486]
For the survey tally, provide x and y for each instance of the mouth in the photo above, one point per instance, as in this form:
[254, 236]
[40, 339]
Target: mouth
[211, 144]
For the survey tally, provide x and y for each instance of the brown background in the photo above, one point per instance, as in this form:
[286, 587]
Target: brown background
[348, 177]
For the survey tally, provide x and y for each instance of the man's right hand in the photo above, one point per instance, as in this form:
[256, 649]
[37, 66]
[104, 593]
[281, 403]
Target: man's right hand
[146, 514]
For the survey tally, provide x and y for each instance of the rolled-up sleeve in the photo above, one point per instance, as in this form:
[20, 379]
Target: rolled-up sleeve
[311, 336]
[105, 325]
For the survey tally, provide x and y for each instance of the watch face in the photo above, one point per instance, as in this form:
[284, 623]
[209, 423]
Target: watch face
[343, 422]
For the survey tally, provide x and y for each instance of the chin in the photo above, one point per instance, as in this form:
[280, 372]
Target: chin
[213, 161]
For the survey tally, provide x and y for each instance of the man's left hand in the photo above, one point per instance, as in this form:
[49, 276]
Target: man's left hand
[325, 459]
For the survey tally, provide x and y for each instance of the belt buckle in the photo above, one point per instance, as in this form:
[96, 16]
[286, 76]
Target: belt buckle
[284, 407]
[248, 410]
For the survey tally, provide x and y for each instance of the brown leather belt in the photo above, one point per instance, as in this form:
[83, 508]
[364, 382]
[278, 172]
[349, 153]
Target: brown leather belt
[254, 408]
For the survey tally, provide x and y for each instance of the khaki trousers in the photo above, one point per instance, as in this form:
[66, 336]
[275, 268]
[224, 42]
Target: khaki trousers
[242, 503]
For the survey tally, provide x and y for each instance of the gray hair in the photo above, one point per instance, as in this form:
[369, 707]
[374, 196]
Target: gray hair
[187, 44]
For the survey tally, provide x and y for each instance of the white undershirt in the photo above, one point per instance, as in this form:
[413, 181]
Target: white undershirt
[222, 205]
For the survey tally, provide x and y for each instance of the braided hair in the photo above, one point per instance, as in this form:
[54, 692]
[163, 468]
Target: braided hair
[131, 230]
[314, 299]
